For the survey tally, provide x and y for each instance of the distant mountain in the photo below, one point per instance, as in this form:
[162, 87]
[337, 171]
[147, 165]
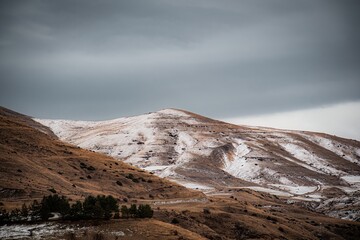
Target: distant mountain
[213, 156]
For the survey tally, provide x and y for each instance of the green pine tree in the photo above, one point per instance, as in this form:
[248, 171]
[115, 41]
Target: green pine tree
[124, 211]
[133, 210]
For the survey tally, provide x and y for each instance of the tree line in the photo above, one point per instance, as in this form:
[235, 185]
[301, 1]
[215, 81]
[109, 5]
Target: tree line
[99, 207]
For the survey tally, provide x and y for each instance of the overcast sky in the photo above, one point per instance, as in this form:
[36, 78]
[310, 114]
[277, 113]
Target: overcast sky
[95, 60]
[338, 119]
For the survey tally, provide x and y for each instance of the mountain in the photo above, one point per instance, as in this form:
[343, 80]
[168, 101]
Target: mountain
[214, 156]
[35, 163]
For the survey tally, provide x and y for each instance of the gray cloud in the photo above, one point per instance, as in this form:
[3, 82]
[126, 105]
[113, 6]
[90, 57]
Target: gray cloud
[100, 60]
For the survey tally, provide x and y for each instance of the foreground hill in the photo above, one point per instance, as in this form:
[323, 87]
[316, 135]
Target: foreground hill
[214, 156]
[34, 163]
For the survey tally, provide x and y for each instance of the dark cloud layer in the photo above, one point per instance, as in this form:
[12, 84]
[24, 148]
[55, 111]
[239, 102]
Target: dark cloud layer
[105, 59]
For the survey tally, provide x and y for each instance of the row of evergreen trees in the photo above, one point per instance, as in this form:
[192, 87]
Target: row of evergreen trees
[99, 207]
[143, 211]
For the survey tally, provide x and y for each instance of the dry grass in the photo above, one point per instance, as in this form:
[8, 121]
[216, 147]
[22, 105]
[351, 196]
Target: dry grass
[254, 215]
[133, 229]
[89, 236]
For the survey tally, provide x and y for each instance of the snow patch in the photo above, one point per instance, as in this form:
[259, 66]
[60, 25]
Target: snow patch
[240, 166]
[306, 199]
[195, 185]
[311, 159]
[351, 179]
[296, 190]
[184, 142]
[270, 191]
[357, 152]
[156, 167]
[21, 231]
[186, 118]
[174, 112]
[285, 181]
[347, 152]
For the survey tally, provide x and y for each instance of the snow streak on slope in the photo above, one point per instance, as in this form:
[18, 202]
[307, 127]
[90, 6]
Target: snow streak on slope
[238, 166]
[320, 165]
[206, 154]
[345, 151]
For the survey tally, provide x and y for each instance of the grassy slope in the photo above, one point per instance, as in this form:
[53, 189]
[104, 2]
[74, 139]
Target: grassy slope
[33, 162]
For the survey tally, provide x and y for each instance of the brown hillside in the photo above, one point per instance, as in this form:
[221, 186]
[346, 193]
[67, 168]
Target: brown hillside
[35, 163]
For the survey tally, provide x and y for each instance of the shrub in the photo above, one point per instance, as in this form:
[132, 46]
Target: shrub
[52, 190]
[124, 211]
[44, 212]
[117, 215]
[76, 211]
[271, 218]
[35, 209]
[206, 211]
[4, 216]
[145, 211]
[15, 215]
[99, 236]
[88, 206]
[54, 203]
[100, 207]
[130, 176]
[133, 210]
[24, 210]
[91, 168]
[98, 212]
[70, 236]
[175, 221]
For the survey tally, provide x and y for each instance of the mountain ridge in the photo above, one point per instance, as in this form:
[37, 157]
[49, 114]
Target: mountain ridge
[214, 156]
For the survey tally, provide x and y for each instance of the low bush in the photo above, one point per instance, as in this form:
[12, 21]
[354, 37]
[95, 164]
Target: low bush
[175, 221]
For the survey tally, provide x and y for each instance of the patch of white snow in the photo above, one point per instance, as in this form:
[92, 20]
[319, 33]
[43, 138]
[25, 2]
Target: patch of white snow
[302, 154]
[296, 190]
[351, 179]
[270, 191]
[240, 166]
